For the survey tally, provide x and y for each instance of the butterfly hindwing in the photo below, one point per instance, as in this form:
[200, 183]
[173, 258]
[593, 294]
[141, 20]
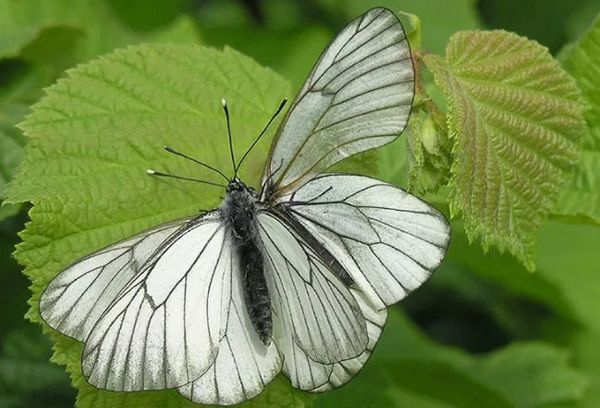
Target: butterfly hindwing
[344, 371]
[357, 97]
[325, 320]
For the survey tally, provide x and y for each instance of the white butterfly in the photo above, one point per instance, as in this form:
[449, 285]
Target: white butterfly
[294, 279]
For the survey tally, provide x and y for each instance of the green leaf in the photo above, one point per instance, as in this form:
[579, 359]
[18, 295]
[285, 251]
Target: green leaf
[516, 120]
[581, 197]
[408, 369]
[531, 375]
[92, 138]
[506, 272]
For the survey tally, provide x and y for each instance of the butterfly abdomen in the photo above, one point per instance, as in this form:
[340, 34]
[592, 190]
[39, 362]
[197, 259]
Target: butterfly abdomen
[239, 211]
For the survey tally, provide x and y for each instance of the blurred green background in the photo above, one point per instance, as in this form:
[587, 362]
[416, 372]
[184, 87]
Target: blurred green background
[482, 332]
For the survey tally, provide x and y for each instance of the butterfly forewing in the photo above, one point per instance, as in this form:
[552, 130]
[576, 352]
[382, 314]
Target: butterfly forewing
[357, 97]
[164, 329]
[77, 297]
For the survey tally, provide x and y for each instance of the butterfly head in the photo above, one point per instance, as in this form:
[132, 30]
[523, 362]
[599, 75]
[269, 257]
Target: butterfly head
[237, 185]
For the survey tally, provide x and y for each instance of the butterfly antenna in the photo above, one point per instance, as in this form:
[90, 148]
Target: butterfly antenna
[175, 152]
[155, 173]
[226, 110]
[279, 109]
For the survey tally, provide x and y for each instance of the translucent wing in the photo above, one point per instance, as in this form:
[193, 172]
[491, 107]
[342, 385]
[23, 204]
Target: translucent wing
[163, 329]
[74, 300]
[310, 303]
[306, 374]
[244, 365]
[387, 240]
[344, 371]
[357, 97]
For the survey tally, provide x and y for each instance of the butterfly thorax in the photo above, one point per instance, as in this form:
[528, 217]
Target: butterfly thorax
[239, 213]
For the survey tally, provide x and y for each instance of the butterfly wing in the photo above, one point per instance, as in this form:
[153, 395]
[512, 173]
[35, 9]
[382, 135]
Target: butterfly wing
[244, 365]
[357, 97]
[164, 328]
[387, 240]
[318, 322]
[73, 302]
[344, 371]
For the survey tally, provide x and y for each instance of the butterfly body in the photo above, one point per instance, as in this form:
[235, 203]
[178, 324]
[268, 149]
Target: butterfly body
[239, 213]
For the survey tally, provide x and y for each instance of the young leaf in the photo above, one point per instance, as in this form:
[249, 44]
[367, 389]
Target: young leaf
[428, 155]
[516, 121]
[581, 198]
[90, 141]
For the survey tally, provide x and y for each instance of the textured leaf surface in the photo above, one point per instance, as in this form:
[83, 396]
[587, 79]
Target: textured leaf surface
[582, 195]
[90, 141]
[516, 121]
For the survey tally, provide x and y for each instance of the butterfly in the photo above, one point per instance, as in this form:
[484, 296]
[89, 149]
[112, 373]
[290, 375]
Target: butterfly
[294, 278]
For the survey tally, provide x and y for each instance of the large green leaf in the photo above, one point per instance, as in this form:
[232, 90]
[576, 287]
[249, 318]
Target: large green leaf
[516, 120]
[581, 198]
[90, 141]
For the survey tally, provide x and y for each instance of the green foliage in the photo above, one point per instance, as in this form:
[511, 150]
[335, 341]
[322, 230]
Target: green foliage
[437, 26]
[408, 369]
[428, 154]
[26, 379]
[581, 198]
[45, 37]
[94, 135]
[569, 259]
[516, 122]
[518, 339]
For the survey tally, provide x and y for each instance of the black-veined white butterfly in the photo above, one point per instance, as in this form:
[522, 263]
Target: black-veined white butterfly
[295, 278]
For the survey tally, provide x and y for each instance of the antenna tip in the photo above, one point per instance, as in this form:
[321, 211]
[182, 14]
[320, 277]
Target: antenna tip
[224, 103]
[150, 172]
